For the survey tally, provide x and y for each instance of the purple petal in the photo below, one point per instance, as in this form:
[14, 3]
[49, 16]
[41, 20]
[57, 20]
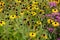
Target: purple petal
[50, 29]
[58, 38]
[52, 4]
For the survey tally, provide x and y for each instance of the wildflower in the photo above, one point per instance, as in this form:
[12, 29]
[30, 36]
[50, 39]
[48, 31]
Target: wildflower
[52, 4]
[44, 36]
[22, 13]
[33, 13]
[49, 21]
[18, 1]
[55, 24]
[1, 6]
[2, 3]
[35, 2]
[54, 10]
[50, 29]
[38, 22]
[28, 7]
[48, 15]
[1, 9]
[32, 34]
[35, 8]
[12, 16]
[41, 12]
[33, 5]
[57, 18]
[58, 38]
[2, 23]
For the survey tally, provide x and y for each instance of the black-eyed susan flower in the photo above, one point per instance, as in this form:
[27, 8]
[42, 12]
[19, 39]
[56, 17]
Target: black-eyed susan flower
[1, 9]
[2, 3]
[21, 13]
[32, 34]
[33, 5]
[54, 10]
[35, 2]
[28, 7]
[33, 13]
[35, 8]
[18, 1]
[12, 16]
[39, 22]
[50, 21]
[52, 4]
[2, 23]
[44, 36]
[41, 12]
[55, 24]
[1, 6]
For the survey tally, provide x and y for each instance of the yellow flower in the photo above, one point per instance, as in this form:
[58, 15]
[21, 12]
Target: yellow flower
[18, 1]
[12, 16]
[1, 9]
[28, 7]
[2, 3]
[33, 13]
[33, 5]
[22, 13]
[49, 21]
[44, 36]
[54, 10]
[55, 24]
[32, 34]
[1, 6]
[2, 23]
[41, 11]
[35, 2]
[35, 8]
[38, 22]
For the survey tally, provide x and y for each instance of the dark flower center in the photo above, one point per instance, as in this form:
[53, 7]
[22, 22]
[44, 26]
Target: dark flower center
[1, 22]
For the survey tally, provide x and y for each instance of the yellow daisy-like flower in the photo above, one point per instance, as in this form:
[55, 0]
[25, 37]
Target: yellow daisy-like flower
[1, 6]
[50, 21]
[54, 10]
[35, 8]
[41, 11]
[44, 36]
[2, 3]
[2, 23]
[33, 13]
[18, 1]
[38, 22]
[28, 7]
[12, 16]
[35, 2]
[32, 34]
[1, 9]
[33, 5]
[55, 24]
[22, 13]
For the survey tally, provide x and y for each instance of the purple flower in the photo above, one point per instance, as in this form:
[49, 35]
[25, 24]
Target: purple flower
[50, 29]
[58, 17]
[52, 4]
[57, 20]
[54, 14]
[58, 38]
